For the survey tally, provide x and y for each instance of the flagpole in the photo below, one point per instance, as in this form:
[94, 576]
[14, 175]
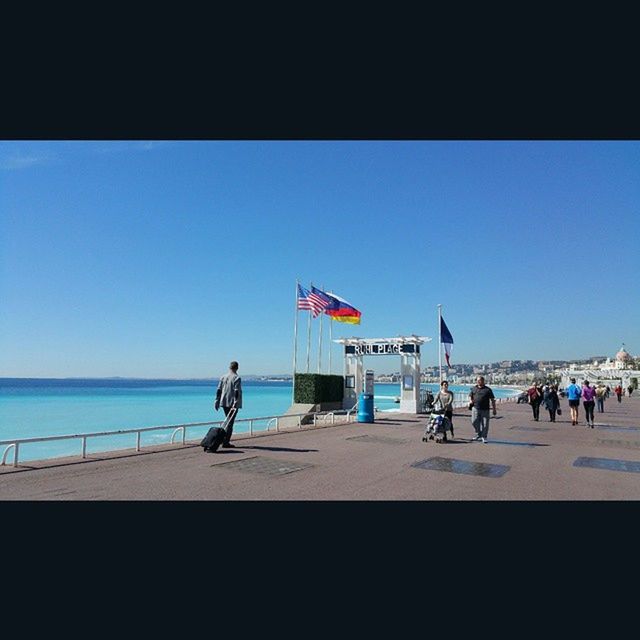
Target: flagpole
[309, 337]
[330, 341]
[440, 339]
[295, 349]
[320, 342]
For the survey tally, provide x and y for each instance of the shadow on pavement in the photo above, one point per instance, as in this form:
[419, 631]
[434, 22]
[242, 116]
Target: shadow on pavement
[277, 449]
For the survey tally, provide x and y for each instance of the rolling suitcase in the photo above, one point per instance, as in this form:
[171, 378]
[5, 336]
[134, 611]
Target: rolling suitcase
[213, 439]
[215, 435]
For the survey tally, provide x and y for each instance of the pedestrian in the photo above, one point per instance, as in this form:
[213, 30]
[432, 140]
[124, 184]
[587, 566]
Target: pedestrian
[535, 395]
[618, 392]
[444, 398]
[601, 394]
[229, 396]
[630, 390]
[607, 392]
[551, 402]
[588, 402]
[479, 399]
[573, 395]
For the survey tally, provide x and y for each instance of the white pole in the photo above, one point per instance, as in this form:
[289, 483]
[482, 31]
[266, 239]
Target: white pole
[330, 341]
[309, 337]
[295, 349]
[320, 343]
[440, 339]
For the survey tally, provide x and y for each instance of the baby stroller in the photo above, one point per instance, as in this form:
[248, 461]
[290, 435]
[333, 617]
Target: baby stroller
[437, 427]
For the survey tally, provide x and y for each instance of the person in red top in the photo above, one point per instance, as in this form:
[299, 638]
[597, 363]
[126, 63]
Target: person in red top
[588, 401]
[618, 392]
[535, 396]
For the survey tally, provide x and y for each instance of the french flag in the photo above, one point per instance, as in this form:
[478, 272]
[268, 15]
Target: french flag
[446, 338]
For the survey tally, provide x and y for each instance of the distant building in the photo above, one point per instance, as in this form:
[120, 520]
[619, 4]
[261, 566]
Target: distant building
[620, 369]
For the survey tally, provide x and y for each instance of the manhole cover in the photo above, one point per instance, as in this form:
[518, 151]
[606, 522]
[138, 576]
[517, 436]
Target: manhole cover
[377, 439]
[531, 428]
[452, 465]
[609, 464]
[265, 466]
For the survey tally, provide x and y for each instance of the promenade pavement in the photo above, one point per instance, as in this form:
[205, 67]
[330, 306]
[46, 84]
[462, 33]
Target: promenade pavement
[523, 460]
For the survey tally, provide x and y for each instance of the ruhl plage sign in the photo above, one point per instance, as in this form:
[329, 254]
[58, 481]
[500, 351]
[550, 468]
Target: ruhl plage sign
[380, 349]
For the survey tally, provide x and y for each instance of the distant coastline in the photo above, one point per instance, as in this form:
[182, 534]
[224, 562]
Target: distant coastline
[126, 382]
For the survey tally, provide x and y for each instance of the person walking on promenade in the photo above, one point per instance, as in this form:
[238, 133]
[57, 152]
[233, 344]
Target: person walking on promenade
[551, 402]
[445, 398]
[618, 392]
[229, 396]
[588, 401]
[573, 395]
[535, 396]
[630, 390]
[479, 399]
[601, 394]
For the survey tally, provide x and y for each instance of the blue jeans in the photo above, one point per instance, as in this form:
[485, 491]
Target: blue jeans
[480, 421]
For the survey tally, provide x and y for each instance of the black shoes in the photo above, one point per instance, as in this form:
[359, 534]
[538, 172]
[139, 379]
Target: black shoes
[228, 445]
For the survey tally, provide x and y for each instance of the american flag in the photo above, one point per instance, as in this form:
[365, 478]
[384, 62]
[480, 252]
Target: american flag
[312, 301]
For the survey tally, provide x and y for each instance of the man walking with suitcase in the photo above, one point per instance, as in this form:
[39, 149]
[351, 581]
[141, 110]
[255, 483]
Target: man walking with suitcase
[229, 397]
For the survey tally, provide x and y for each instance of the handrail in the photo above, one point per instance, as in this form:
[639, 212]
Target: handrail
[16, 442]
[176, 431]
[6, 451]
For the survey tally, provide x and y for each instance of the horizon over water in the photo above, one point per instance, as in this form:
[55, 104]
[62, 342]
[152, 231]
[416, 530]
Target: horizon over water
[40, 407]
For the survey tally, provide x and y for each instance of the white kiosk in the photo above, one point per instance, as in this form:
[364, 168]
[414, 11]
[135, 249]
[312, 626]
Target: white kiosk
[407, 347]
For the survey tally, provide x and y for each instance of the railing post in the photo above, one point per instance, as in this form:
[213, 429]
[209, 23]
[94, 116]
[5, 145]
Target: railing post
[84, 447]
[15, 455]
[184, 435]
[315, 415]
[299, 422]
[250, 427]
[138, 441]
[277, 429]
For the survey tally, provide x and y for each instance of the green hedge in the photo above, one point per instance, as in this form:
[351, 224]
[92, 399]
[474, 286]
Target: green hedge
[313, 388]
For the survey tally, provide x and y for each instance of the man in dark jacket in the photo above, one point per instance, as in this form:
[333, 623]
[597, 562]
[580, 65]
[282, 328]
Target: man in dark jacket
[229, 396]
[479, 399]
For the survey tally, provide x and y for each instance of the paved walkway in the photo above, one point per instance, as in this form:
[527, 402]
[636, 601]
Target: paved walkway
[524, 460]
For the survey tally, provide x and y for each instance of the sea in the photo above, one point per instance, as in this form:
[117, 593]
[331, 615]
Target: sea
[35, 408]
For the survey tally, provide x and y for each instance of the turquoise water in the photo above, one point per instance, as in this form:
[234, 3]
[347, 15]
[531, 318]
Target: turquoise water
[67, 408]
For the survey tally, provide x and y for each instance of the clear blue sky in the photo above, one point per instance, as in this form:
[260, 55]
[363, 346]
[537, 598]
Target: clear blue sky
[168, 259]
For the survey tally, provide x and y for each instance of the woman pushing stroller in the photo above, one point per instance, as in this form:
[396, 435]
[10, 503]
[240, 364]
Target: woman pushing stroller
[442, 421]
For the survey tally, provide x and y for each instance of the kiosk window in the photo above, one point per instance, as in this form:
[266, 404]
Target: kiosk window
[407, 382]
[350, 382]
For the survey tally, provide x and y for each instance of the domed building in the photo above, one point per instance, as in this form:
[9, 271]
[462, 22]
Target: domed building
[619, 370]
[623, 359]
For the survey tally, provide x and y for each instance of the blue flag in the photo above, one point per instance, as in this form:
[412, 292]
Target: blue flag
[446, 339]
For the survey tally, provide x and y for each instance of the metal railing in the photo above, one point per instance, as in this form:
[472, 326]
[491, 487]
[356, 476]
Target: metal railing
[355, 406]
[16, 442]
